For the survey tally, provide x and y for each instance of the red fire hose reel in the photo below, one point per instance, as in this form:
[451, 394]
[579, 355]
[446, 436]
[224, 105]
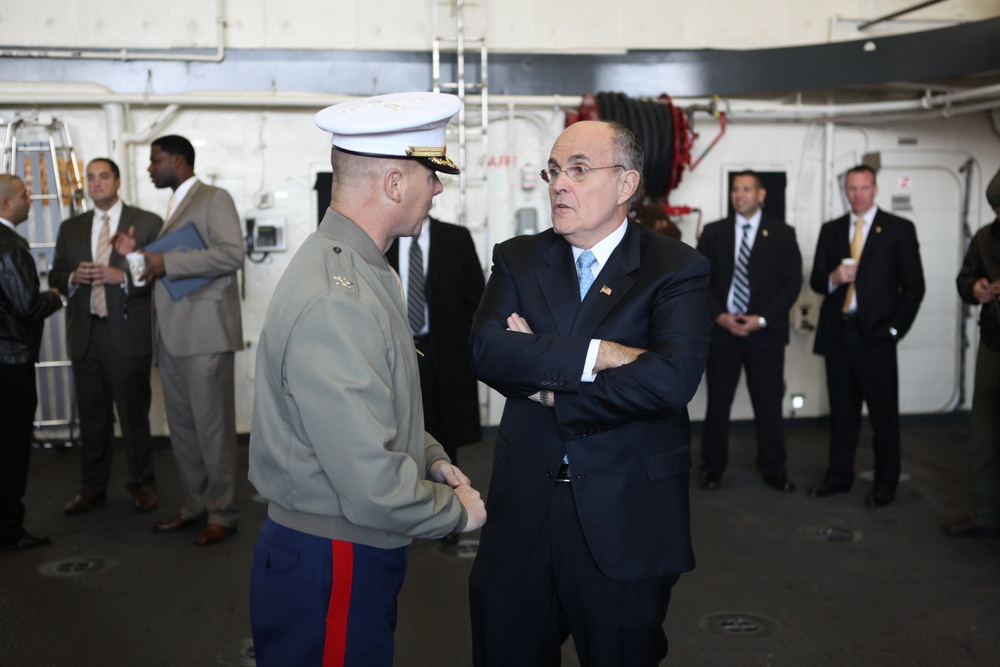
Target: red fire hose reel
[665, 132]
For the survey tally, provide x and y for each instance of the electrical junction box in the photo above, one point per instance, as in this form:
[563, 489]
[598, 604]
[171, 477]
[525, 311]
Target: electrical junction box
[267, 232]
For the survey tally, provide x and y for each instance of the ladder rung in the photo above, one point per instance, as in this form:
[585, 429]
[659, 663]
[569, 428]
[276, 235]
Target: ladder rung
[53, 364]
[454, 40]
[469, 85]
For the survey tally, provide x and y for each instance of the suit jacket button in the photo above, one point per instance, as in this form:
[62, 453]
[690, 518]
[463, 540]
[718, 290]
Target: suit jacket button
[548, 474]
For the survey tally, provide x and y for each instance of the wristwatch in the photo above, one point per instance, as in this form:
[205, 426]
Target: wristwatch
[762, 321]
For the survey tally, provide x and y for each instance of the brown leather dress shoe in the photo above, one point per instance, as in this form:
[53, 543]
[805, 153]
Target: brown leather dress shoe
[176, 522]
[212, 534]
[82, 503]
[145, 501]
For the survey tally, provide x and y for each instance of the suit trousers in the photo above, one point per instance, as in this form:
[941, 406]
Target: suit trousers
[522, 614]
[857, 371]
[430, 393]
[984, 462]
[104, 377]
[765, 381]
[18, 396]
[200, 397]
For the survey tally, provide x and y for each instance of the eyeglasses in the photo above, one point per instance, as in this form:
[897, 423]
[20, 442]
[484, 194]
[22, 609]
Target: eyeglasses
[575, 173]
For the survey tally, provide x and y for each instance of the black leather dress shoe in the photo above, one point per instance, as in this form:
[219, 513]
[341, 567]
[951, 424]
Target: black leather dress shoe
[710, 481]
[966, 527]
[828, 489]
[25, 541]
[780, 482]
[880, 499]
[83, 503]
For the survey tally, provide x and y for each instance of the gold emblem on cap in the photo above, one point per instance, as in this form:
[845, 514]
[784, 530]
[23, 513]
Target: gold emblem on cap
[426, 151]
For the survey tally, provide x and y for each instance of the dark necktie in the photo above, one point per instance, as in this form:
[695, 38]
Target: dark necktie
[415, 296]
[741, 279]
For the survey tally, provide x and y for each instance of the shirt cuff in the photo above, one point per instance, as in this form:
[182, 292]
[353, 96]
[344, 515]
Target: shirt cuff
[591, 361]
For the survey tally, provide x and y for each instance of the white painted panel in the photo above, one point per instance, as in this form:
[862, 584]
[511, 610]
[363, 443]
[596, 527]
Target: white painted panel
[512, 25]
[928, 356]
[249, 151]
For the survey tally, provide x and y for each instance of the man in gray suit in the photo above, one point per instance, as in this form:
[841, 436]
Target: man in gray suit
[195, 338]
[109, 338]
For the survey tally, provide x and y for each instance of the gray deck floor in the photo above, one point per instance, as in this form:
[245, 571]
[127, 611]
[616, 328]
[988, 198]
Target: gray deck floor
[782, 580]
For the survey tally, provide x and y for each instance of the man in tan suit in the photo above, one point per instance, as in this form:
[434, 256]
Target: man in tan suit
[195, 338]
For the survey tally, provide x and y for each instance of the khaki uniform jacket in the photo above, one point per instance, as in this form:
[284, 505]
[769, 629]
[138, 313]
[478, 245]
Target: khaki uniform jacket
[337, 442]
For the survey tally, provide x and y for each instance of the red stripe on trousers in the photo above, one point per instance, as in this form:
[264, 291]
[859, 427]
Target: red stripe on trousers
[335, 645]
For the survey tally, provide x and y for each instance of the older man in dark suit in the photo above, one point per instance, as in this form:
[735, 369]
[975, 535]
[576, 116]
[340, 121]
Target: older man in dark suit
[755, 279]
[596, 332]
[443, 283]
[868, 268]
[109, 337]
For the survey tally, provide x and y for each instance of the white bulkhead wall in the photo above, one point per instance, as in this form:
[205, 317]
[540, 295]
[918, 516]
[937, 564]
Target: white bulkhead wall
[256, 152]
[278, 153]
[513, 25]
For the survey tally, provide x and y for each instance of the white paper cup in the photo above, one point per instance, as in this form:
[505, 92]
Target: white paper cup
[136, 266]
[849, 261]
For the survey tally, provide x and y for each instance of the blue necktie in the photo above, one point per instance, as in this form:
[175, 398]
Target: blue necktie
[584, 272]
[586, 277]
[741, 280]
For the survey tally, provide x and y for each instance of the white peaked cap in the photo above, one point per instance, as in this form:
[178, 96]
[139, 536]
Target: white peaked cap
[398, 125]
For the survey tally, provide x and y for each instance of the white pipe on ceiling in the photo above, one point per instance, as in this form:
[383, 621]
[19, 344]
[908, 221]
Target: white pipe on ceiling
[126, 55]
[36, 94]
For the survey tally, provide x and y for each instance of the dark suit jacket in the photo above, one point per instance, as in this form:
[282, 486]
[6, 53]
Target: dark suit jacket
[775, 274]
[889, 283]
[627, 433]
[454, 285]
[128, 313]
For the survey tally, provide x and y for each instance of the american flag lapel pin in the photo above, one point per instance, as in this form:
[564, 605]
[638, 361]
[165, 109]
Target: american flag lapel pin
[606, 290]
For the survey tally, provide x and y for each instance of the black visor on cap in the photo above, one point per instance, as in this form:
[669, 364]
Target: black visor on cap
[442, 164]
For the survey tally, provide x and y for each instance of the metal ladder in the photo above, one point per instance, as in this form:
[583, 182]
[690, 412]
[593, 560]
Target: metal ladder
[455, 45]
[42, 155]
